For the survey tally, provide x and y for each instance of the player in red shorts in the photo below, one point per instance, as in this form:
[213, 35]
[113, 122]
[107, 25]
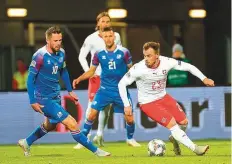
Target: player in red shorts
[150, 75]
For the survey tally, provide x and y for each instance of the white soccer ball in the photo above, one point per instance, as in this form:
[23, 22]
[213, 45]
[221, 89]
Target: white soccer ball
[156, 147]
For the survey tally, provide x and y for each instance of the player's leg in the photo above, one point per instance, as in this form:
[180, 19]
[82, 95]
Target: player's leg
[157, 111]
[78, 136]
[130, 123]
[100, 101]
[79, 146]
[177, 112]
[61, 115]
[39, 132]
[103, 119]
[94, 83]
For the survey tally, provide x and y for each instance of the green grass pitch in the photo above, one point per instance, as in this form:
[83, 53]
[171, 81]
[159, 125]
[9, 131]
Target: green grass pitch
[219, 153]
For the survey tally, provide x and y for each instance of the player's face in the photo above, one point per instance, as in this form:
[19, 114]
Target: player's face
[151, 57]
[108, 37]
[54, 42]
[103, 22]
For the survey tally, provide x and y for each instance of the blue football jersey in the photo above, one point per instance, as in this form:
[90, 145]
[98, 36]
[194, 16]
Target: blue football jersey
[47, 68]
[114, 66]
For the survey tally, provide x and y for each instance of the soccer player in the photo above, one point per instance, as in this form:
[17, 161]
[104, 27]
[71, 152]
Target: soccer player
[115, 61]
[92, 44]
[150, 75]
[48, 64]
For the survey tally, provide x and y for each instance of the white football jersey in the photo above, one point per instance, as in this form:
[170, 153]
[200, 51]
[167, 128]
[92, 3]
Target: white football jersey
[151, 83]
[92, 44]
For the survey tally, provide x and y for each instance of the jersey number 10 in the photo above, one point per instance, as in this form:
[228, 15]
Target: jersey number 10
[112, 65]
[54, 69]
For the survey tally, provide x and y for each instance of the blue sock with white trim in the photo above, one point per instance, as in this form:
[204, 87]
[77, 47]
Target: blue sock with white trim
[83, 140]
[87, 127]
[130, 130]
[36, 134]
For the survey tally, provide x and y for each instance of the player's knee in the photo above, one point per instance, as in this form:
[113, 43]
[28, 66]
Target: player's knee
[171, 123]
[49, 127]
[72, 125]
[184, 122]
[129, 119]
[92, 115]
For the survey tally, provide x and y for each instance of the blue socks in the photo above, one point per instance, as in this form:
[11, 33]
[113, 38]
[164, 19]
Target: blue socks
[83, 140]
[87, 127]
[130, 130]
[36, 134]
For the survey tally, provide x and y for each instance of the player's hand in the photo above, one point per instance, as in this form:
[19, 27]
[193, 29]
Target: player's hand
[73, 95]
[208, 82]
[37, 107]
[128, 110]
[75, 82]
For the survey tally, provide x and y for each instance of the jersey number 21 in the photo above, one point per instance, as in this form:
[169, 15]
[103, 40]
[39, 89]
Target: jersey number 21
[112, 65]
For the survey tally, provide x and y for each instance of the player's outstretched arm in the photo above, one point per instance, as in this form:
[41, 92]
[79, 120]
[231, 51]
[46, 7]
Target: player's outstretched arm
[84, 76]
[183, 66]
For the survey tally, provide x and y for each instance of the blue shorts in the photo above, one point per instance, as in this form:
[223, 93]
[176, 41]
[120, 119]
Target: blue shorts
[104, 97]
[53, 110]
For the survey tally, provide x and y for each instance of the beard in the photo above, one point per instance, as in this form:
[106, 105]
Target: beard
[110, 46]
[55, 49]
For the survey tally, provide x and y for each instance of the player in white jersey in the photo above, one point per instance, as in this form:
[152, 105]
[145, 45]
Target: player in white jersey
[92, 44]
[150, 75]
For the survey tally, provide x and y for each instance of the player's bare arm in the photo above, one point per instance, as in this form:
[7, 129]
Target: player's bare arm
[85, 76]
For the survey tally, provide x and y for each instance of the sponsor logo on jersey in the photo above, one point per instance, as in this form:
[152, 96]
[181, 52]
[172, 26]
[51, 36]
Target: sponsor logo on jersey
[49, 62]
[103, 57]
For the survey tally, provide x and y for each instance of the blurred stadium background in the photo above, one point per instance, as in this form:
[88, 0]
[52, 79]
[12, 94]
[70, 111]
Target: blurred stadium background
[205, 37]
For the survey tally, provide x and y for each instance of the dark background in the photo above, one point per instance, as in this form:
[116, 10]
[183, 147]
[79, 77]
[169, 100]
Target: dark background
[205, 41]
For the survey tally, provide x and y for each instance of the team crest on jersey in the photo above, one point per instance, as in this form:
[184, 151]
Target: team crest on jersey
[61, 59]
[49, 62]
[119, 56]
[164, 72]
[103, 57]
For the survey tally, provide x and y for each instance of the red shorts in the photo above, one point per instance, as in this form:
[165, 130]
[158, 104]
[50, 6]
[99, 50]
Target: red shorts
[94, 84]
[163, 110]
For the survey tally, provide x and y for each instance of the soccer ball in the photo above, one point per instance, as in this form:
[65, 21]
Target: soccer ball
[156, 147]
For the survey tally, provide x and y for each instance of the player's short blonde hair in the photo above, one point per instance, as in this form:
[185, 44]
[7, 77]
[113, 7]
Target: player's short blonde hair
[52, 30]
[154, 45]
[99, 16]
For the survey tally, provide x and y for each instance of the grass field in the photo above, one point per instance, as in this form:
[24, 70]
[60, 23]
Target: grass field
[219, 153]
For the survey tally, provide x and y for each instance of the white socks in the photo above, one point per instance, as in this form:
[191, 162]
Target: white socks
[181, 136]
[103, 120]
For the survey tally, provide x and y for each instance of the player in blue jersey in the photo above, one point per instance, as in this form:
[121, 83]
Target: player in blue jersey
[47, 66]
[115, 61]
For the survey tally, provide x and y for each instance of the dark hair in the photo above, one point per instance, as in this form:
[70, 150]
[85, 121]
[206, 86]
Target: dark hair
[154, 45]
[52, 30]
[99, 16]
[107, 29]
